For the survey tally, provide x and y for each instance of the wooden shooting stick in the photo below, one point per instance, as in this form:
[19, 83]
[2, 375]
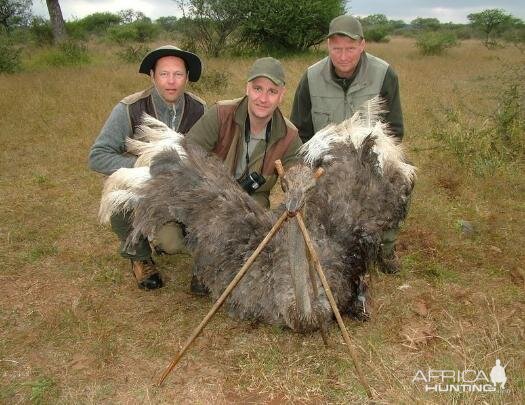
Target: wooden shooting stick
[324, 282]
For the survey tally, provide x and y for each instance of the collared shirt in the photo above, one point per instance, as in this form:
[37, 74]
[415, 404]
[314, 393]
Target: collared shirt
[168, 113]
[255, 139]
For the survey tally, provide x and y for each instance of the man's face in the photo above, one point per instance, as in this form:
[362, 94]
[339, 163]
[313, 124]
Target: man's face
[345, 53]
[264, 96]
[170, 78]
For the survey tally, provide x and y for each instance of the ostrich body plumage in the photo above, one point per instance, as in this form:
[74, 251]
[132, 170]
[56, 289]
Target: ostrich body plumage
[363, 193]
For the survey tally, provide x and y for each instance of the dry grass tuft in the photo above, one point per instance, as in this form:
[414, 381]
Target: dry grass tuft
[75, 329]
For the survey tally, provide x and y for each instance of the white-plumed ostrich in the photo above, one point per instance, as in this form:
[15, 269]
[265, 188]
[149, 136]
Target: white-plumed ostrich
[363, 193]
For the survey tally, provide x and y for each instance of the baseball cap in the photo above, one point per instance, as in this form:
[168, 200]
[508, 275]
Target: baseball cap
[267, 67]
[346, 25]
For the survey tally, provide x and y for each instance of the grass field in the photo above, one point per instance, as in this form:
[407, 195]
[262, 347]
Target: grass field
[75, 329]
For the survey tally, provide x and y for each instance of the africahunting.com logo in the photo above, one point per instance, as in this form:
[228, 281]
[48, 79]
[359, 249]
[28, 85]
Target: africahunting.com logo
[462, 380]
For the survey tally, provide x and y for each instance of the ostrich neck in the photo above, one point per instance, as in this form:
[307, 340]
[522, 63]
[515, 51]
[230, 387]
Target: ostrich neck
[298, 262]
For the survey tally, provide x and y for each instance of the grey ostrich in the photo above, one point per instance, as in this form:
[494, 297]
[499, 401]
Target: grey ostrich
[363, 193]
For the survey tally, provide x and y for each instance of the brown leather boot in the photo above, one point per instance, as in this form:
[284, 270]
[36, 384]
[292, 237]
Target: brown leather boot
[147, 276]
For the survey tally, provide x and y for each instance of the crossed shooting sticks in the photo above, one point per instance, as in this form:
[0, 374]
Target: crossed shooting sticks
[316, 264]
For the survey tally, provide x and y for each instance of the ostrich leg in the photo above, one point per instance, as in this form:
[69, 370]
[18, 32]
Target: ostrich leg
[303, 272]
[298, 262]
[307, 305]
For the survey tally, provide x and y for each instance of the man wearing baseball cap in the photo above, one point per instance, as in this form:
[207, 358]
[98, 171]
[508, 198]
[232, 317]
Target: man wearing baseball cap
[250, 133]
[169, 69]
[332, 89]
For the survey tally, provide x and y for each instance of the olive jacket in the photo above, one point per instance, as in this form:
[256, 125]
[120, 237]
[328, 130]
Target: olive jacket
[221, 131]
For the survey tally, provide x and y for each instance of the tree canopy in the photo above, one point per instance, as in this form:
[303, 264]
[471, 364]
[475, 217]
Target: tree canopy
[14, 13]
[490, 22]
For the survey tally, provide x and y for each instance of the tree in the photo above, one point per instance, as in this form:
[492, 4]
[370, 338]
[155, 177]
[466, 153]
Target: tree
[397, 24]
[213, 21]
[291, 25]
[374, 19]
[271, 24]
[57, 21]
[14, 13]
[128, 16]
[168, 23]
[376, 27]
[425, 24]
[490, 22]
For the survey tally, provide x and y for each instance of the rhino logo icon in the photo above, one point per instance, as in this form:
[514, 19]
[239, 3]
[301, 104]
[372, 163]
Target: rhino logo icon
[497, 375]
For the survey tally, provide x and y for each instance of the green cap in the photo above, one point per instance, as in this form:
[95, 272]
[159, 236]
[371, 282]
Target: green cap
[267, 67]
[346, 25]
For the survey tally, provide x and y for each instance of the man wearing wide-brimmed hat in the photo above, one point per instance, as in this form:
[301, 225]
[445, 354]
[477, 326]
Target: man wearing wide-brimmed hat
[169, 68]
[332, 89]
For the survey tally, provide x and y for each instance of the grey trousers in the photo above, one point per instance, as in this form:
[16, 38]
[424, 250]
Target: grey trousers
[169, 238]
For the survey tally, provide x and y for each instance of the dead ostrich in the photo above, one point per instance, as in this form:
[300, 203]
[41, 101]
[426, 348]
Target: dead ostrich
[363, 193]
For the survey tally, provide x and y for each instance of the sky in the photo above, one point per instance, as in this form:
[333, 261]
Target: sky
[444, 10]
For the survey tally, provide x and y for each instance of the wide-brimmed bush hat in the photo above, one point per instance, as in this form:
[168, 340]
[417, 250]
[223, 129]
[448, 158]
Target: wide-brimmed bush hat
[193, 63]
[267, 67]
[346, 25]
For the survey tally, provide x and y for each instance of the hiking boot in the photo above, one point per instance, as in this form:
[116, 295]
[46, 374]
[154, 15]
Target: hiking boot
[197, 287]
[389, 264]
[147, 276]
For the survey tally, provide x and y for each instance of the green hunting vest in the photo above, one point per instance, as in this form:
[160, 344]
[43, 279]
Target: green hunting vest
[330, 104]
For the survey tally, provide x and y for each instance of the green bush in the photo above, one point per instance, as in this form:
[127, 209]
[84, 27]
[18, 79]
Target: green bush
[435, 43]
[9, 57]
[516, 37]
[97, 24]
[483, 142]
[41, 31]
[377, 33]
[69, 53]
[168, 24]
[212, 81]
[138, 31]
[463, 33]
[289, 25]
[132, 53]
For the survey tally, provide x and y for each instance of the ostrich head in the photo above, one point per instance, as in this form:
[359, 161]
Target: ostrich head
[297, 183]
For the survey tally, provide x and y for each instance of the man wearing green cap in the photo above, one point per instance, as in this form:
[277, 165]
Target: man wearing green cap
[332, 89]
[250, 133]
[169, 69]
